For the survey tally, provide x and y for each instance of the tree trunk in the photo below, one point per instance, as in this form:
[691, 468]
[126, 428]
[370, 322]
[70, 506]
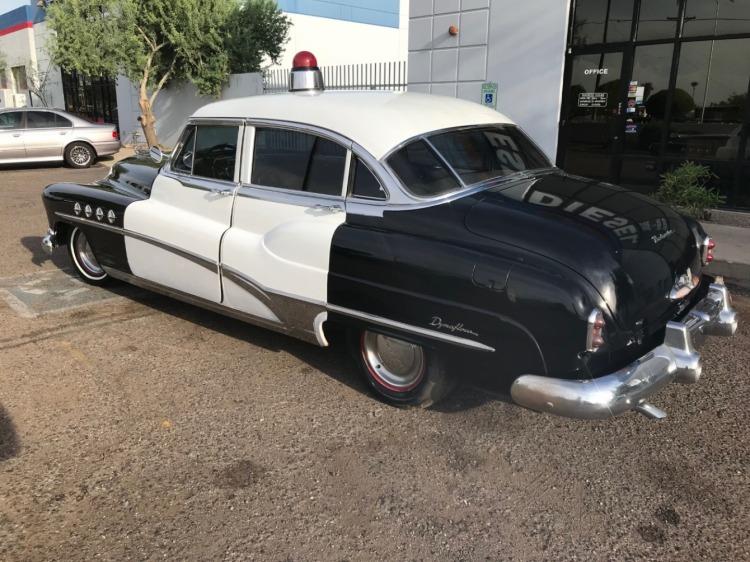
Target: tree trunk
[148, 121]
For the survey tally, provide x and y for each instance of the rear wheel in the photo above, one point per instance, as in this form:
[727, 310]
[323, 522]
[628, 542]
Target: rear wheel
[401, 372]
[79, 155]
[83, 259]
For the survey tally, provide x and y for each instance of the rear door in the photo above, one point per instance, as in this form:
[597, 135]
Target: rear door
[174, 236]
[11, 136]
[44, 136]
[275, 257]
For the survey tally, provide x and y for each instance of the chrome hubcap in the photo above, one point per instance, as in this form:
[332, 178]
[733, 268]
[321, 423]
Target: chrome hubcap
[86, 256]
[80, 155]
[396, 364]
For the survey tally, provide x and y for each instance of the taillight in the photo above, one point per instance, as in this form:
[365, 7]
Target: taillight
[595, 335]
[115, 134]
[707, 250]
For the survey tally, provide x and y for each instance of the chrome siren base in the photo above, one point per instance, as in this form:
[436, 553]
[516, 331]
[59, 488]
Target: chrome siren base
[676, 360]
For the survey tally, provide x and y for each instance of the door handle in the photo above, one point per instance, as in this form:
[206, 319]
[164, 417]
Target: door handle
[63, 132]
[221, 192]
[330, 208]
[16, 134]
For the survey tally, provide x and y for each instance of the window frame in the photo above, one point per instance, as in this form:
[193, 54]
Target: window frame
[293, 196]
[22, 121]
[350, 184]
[48, 112]
[201, 182]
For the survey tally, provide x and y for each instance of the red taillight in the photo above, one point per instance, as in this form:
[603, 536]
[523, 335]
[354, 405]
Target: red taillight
[708, 250]
[595, 335]
[115, 135]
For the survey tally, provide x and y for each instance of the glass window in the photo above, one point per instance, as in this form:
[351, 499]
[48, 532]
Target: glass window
[710, 99]
[483, 153]
[716, 17]
[10, 120]
[658, 19]
[19, 77]
[364, 182]
[299, 161]
[215, 152]
[40, 120]
[61, 121]
[421, 171]
[183, 159]
[599, 21]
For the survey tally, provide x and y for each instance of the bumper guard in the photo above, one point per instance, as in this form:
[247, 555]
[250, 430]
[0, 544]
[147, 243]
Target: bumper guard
[676, 360]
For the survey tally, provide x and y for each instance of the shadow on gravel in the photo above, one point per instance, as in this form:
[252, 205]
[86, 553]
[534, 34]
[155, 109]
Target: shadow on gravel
[38, 256]
[9, 445]
[334, 361]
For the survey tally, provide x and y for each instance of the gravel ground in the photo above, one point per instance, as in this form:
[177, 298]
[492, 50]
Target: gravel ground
[139, 428]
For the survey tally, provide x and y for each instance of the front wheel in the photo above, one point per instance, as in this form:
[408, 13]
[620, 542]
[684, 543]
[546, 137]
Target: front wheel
[400, 372]
[83, 259]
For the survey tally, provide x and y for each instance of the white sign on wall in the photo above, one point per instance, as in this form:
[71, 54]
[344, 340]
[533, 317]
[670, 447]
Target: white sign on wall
[489, 94]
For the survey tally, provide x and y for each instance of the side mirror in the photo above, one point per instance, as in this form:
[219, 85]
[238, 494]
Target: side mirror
[156, 154]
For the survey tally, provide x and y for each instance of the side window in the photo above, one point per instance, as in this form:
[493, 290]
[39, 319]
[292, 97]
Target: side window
[10, 120]
[215, 152]
[299, 161]
[40, 120]
[61, 121]
[183, 160]
[364, 182]
[420, 170]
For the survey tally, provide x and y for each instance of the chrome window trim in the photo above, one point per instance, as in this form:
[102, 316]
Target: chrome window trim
[188, 178]
[209, 264]
[347, 171]
[289, 196]
[359, 198]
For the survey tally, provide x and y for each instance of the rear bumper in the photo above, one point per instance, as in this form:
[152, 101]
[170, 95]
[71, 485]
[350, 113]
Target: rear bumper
[106, 148]
[676, 360]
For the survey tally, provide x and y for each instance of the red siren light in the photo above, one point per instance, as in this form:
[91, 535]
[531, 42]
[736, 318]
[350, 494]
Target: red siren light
[304, 60]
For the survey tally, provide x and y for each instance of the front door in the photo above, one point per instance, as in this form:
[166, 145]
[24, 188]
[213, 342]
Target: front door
[11, 135]
[44, 137]
[592, 124]
[275, 257]
[174, 236]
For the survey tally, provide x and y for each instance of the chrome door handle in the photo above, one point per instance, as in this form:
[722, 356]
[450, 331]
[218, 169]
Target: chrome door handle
[330, 208]
[63, 132]
[222, 192]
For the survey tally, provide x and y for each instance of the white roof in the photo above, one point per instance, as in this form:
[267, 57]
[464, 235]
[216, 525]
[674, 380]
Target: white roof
[378, 121]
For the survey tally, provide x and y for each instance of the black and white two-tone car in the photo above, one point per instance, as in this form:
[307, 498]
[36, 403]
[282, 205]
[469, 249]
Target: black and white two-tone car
[432, 230]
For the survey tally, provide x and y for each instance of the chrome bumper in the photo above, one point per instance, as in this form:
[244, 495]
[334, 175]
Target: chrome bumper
[49, 242]
[627, 389]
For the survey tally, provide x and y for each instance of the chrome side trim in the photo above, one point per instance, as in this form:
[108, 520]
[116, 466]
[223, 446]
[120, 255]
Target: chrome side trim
[289, 196]
[211, 265]
[676, 360]
[432, 334]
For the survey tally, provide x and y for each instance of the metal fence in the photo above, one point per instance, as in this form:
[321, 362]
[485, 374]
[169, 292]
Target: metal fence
[366, 76]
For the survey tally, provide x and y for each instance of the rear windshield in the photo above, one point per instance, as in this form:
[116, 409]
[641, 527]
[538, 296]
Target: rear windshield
[473, 154]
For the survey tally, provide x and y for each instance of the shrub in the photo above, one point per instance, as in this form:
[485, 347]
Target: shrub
[686, 187]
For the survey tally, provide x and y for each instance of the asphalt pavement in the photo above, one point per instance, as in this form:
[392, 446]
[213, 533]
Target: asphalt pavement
[134, 427]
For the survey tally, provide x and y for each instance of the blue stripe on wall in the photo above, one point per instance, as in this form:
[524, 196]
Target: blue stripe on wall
[374, 12]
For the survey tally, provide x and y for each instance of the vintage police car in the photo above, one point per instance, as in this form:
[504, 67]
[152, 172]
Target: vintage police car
[431, 229]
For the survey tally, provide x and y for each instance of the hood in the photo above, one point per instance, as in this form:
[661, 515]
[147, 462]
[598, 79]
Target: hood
[630, 247]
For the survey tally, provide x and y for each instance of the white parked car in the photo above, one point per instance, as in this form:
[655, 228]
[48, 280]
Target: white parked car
[51, 135]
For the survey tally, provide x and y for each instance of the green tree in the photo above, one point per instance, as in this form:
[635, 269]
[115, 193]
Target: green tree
[151, 42]
[256, 31]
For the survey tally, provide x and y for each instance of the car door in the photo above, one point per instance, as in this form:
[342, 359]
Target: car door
[42, 137]
[11, 136]
[275, 257]
[173, 237]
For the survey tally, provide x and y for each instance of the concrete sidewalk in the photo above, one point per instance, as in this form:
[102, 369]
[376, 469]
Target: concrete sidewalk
[732, 254]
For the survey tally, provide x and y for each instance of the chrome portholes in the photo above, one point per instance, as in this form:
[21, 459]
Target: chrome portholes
[99, 213]
[111, 216]
[88, 210]
[83, 257]
[396, 364]
[77, 208]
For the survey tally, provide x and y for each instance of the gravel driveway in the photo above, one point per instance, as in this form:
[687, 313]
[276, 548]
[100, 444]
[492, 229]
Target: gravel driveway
[133, 427]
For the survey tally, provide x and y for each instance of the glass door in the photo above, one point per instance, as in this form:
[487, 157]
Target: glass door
[592, 125]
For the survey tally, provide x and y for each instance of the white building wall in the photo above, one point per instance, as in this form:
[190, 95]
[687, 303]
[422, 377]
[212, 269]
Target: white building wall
[175, 104]
[54, 89]
[345, 42]
[518, 45]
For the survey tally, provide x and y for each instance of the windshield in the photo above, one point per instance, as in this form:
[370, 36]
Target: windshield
[474, 154]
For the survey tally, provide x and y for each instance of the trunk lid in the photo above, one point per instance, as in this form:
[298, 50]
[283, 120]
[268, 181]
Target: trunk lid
[630, 247]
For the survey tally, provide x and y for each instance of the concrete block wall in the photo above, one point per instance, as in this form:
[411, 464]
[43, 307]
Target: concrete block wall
[444, 64]
[518, 44]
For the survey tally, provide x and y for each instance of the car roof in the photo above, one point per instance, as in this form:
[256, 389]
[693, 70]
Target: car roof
[377, 121]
